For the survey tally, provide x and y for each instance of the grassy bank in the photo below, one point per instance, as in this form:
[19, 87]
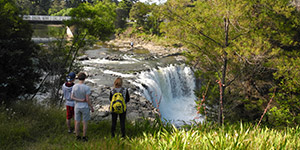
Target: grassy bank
[29, 126]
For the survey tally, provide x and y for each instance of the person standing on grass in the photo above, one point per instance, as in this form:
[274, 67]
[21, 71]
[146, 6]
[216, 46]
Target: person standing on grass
[70, 103]
[83, 105]
[119, 89]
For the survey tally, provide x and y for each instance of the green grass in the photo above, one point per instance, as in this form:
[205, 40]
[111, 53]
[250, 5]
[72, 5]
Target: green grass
[30, 126]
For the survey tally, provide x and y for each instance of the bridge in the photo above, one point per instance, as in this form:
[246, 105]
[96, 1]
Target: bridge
[48, 20]
[42, 19]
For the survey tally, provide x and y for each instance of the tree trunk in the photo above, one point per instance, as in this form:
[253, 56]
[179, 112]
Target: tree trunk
[222, 89]
[222, 82]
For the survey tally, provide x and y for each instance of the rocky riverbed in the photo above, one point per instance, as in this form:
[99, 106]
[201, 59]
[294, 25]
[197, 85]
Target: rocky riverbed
[154, 49]
[101, 82]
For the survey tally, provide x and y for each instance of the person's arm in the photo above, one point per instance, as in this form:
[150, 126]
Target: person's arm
[110, 95]
[127, 99]
[89, 102]
[77, 99]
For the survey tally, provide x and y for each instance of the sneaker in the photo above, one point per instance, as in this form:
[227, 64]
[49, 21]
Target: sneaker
[84, 139]
[78, 138]
[69, 131]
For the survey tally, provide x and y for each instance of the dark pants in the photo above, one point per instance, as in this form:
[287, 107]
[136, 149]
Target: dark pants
[114, 123]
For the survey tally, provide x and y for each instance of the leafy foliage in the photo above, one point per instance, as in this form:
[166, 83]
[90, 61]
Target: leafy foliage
[48, 7]
[146, 18]
[56, 6]
[90, 22]
[287, 97]
[96, 20]
[63, 12]
[18, 54]
[56, 62]
[139, 13]
[122, 13]
[237, 43]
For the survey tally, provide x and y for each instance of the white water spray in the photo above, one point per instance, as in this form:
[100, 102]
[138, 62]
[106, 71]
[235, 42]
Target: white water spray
[171, 90]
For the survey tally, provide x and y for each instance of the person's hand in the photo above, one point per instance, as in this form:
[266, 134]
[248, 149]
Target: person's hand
[92, 109]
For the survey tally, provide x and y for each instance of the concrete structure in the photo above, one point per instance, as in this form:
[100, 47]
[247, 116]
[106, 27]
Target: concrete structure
[42, 19]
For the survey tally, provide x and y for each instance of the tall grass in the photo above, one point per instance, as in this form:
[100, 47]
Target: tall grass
[30, 126]
[26, 122]
[229, 137]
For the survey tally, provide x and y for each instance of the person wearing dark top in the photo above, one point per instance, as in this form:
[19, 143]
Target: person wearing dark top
[119, 89]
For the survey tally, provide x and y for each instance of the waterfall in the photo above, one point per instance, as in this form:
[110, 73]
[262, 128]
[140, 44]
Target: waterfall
[171, 90]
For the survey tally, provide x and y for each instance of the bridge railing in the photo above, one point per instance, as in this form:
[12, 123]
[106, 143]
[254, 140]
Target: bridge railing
[45, 18]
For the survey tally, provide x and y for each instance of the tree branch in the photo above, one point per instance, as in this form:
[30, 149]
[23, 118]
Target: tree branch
[181, 19]
[266, 108]
[38, 89]
[209, 60]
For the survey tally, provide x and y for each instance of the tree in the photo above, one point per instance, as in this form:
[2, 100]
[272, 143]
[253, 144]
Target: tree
[126, 5]
[234, 43]
[25, 6]
[19, 70]
[91, 23]
[283, 32]
[96, 20]
[286, 112]
[147, 17]
[34, 7]
[41, 7]
[72, 3]
[154, 20]
[139, 13]
[56, 6]
[122, 12]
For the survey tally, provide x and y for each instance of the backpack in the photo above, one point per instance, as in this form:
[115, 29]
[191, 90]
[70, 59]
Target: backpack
[117, 104]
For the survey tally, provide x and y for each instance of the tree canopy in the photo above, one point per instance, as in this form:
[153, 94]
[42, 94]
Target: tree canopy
[18, 60]
[238, 43]
[95, 19]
